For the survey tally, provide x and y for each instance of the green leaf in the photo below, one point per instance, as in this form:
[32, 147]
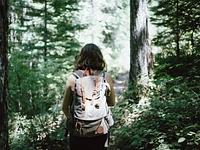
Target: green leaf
[191, 133]
[182, 139]
[177, 90]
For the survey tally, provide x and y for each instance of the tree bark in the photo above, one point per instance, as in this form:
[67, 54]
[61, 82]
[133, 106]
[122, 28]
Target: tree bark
[3, 75]
[141, 58]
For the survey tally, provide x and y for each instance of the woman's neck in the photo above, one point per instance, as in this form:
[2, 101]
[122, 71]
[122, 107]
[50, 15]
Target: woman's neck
[88, 72]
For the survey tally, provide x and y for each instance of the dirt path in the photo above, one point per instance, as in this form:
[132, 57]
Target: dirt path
[120, 84]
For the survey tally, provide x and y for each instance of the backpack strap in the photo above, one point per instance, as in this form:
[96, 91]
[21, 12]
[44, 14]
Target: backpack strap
[83, 90]
[108, 90]
[78, 74]
[95, 90]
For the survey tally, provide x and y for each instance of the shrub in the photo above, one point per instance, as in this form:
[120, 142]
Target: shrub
[171, 120]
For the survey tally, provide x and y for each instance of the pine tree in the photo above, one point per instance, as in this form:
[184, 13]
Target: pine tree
[42, 50]
[180, 22]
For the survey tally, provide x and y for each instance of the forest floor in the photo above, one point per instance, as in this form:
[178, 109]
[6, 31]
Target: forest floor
[120, 85]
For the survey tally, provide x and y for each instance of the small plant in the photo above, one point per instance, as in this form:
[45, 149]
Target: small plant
[26, 133]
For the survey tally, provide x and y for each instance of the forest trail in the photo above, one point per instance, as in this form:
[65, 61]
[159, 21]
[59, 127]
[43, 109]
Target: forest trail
[120, 84]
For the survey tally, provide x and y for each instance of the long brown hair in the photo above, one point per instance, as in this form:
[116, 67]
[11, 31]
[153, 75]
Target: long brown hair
[90, 57]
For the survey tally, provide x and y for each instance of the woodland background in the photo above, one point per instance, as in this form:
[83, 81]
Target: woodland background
[43, 38]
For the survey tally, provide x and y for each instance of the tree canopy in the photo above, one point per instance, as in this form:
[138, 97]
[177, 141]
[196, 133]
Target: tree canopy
[179, 22]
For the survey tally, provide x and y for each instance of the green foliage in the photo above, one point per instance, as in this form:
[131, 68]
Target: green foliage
[31, 91]
[32, 133]
[187, 66]
[42, 46]
[169, 118]
[43, 40]
[178, 25]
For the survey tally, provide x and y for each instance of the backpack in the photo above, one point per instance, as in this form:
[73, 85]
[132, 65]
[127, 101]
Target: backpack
[90, 114]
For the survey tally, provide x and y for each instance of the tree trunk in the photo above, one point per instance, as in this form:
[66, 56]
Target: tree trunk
[141, 58]
[3, 75]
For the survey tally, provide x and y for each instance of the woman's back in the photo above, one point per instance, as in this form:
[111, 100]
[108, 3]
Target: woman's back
[89, 61]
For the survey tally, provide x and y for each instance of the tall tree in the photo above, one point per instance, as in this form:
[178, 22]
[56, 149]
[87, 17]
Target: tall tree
[3, 75]
[141, 59]
[180, 22]
[44, 45]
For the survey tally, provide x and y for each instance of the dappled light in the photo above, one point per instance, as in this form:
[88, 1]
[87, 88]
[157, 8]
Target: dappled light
[152, 52]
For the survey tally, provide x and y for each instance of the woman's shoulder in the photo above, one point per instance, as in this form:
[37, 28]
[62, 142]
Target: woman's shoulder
[107, 74]
[71, 77]
[71, 80]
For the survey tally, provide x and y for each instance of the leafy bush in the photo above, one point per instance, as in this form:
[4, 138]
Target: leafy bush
[169, 119]
[26, 133]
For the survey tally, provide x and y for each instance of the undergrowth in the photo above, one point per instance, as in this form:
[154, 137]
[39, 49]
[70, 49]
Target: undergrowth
[37, 133]
[169, 118]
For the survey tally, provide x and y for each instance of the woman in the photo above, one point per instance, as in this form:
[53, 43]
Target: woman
[89, 60]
